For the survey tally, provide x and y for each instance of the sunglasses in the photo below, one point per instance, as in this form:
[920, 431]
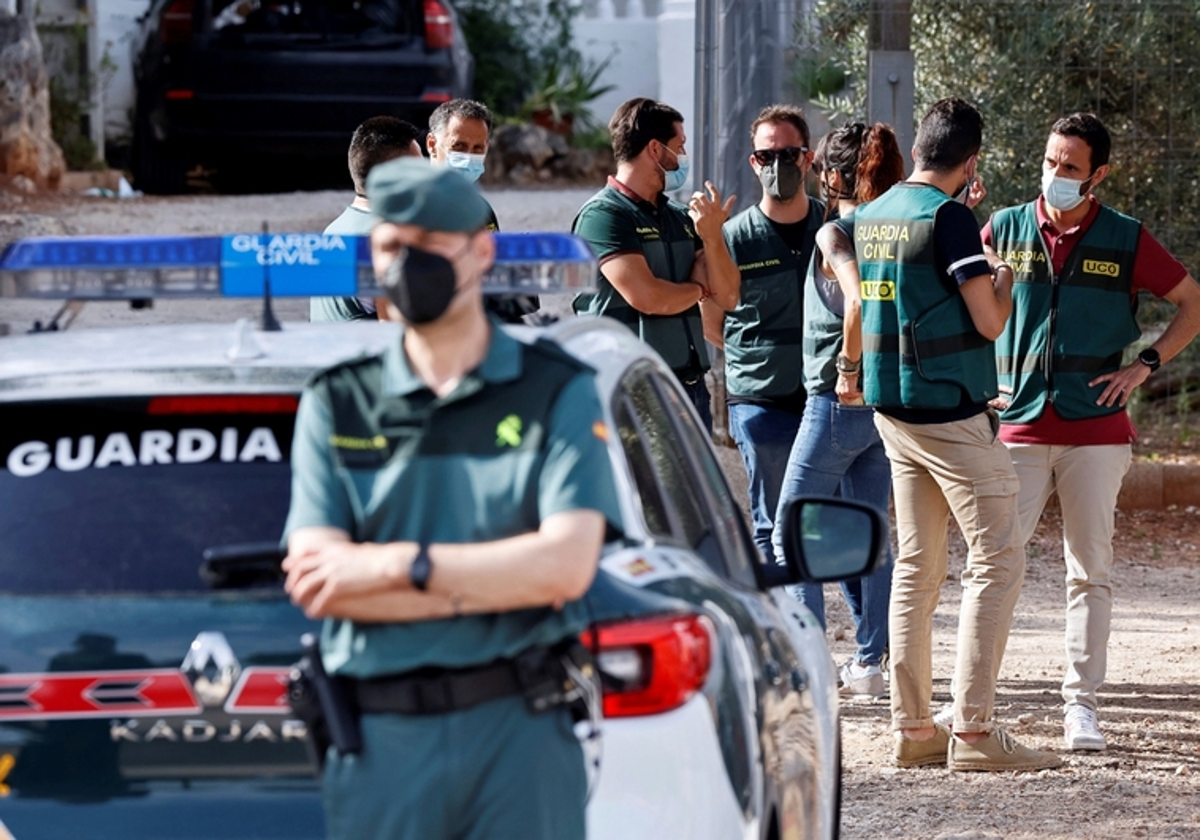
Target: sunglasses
[788, 154]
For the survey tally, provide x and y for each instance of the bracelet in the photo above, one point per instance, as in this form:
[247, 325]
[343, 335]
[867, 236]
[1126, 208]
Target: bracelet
[844, 365]
[705, 294]
[996, 269]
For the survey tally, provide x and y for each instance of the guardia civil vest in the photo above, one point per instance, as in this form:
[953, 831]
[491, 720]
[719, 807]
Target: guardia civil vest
[670, 250]
[1066, 330]
[824, 309]
[920, 347]
[764, 334]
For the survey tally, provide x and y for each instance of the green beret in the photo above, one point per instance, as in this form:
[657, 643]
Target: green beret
[412, 191]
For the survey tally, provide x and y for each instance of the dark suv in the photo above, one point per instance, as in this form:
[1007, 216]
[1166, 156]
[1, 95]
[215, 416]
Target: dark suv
[223, 81]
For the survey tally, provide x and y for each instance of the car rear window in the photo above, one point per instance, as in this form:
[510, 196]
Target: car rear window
[125, 495]
[307, 19]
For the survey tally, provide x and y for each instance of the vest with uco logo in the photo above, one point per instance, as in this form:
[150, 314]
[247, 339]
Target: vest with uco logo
[1066, 330]
[920, 346]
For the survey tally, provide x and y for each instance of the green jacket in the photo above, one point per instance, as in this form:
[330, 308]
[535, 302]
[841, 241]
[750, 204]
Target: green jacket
[378, 455]
[920, 346]
[611, 222]
[1065, 330]
[764, 334]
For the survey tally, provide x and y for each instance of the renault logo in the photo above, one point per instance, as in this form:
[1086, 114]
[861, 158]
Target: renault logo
[212, 668]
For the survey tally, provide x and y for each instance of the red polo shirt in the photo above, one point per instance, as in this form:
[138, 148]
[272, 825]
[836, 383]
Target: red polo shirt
[1154, 270]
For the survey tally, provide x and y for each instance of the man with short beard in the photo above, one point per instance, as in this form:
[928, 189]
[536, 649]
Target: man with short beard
[658, 258]
[772, 244]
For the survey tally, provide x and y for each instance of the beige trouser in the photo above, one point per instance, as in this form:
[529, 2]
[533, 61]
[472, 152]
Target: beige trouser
[1087, 479]
[941, 469]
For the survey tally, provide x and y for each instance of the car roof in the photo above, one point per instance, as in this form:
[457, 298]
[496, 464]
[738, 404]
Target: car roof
[191, 358]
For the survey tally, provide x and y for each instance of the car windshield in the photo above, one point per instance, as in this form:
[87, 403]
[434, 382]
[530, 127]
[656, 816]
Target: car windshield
[312, 18]
[125, 495]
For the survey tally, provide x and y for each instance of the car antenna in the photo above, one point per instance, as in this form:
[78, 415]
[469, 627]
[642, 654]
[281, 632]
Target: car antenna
[269, 322]
[71, 309]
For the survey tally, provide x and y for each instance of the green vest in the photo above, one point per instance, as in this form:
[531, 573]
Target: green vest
[763, 335]
[824, 309]
[669, 246]
[476, 452]
[1043, 357]
[920, 347]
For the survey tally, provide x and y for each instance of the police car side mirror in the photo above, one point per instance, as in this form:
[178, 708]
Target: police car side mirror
[827, 540]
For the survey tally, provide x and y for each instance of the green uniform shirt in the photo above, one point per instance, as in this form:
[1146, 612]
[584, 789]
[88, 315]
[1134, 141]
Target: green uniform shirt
[612, 223]
[354, 221]
[520, 438]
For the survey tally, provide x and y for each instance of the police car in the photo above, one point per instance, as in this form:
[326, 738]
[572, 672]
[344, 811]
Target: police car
[144, 636]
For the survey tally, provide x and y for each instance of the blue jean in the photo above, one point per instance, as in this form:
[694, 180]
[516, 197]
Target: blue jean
[697, 391]
[764, 437]
[838, 453]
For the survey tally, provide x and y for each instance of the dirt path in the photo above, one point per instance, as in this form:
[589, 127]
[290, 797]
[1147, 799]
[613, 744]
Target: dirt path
[1147, 784]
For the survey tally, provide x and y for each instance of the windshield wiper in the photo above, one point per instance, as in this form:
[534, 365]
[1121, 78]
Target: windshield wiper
[242, 565]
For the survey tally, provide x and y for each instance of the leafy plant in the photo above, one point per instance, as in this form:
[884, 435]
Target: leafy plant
[565, 90]
[513, 43]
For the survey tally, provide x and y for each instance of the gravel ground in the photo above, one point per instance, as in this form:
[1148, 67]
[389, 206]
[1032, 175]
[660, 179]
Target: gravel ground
[1145, 785]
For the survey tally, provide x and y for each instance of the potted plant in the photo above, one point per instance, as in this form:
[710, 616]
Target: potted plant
[563, 92]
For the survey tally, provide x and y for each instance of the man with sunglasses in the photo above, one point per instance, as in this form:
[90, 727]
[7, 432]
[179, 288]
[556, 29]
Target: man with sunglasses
[1079, 267]
[658, 258]
[771, 244]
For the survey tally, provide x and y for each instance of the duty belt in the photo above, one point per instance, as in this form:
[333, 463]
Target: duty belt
[433, 691]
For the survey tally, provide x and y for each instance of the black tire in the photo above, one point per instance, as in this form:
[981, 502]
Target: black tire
[158, 169]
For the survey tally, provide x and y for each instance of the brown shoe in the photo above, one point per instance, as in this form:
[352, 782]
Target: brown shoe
[911, 753]
[998, 752]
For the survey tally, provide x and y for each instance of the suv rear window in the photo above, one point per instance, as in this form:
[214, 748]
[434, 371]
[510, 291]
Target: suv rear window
[125, 495]
[331, 19]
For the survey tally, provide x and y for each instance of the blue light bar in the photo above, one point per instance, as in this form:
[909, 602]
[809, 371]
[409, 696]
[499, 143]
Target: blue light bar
[296, 264]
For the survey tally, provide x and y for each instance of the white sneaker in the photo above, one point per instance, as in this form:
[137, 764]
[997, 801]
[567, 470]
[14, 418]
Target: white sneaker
[1080, 729]
[945, 716]
[862, 681]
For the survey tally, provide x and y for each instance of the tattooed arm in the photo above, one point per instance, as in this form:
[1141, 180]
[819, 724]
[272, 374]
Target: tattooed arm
[838, 260]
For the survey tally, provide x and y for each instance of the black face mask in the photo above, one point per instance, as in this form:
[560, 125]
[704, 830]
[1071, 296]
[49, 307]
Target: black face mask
[421, 285]
[781, 180]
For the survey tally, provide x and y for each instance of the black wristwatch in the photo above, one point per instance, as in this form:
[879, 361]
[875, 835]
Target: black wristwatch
[421, 569]
[1150, 358]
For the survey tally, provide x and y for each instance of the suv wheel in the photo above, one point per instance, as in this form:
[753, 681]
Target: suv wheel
[158, 169]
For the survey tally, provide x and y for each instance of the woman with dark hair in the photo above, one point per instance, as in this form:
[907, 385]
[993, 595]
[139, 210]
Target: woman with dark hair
[837, 450]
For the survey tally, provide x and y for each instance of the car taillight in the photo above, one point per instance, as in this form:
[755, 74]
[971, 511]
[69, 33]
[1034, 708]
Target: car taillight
[439, 26]
[177, 23]
[653, 665]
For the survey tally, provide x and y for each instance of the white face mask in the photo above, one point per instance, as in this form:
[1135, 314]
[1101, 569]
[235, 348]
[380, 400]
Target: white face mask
[1063, 194]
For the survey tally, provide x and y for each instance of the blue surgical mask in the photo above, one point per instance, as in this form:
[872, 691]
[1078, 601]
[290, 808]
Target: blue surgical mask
[466, 164]
[1063, 194]
[675, 178]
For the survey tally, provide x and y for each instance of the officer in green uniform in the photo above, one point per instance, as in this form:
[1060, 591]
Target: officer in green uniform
[450, 499]
[377, 140]
[930, 312]
[658, 258]
[772, 244]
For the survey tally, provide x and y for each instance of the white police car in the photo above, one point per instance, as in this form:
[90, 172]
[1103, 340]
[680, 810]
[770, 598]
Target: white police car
[144, 640]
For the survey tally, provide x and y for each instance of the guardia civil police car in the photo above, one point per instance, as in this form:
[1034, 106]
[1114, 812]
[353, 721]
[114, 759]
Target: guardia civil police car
[144, 636]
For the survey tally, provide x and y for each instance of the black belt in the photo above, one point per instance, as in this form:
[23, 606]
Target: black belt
[433, 691]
